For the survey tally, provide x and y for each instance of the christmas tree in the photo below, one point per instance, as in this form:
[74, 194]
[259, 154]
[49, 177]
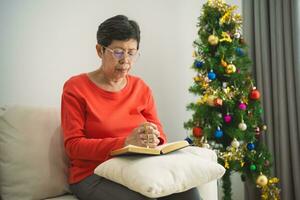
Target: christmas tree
[227, 116]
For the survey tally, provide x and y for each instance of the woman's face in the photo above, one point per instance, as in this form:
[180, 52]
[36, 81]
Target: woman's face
[118, 58]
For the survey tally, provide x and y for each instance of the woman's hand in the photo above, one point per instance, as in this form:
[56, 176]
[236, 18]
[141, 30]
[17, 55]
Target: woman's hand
[145, 135]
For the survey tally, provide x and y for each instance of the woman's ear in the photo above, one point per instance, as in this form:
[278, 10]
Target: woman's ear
[99, 50]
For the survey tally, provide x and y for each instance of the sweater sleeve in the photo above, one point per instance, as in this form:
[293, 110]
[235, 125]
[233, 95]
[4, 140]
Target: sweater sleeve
[77, 145]
[150, 113]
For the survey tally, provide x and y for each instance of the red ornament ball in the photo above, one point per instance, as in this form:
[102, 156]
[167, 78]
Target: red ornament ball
[218, 102]
[257, 129]
[257, 135]
[267, 163]
[197, 131]
[254, 94]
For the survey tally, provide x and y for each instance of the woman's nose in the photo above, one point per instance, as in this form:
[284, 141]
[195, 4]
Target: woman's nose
[125, 59]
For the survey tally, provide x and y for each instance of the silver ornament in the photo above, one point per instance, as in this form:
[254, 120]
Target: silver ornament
[235, 143]
[206, 145]
[242, 126]
[237, 35]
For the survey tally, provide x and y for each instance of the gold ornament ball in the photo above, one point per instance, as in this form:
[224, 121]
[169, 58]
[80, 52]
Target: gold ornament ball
[262, 180]
[230, 69]
[264, 127]
[224, 63]
[213, 40]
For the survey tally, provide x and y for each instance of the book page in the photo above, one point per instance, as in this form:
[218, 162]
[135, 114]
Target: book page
[168, 147]
[161, 149]
[135, 149]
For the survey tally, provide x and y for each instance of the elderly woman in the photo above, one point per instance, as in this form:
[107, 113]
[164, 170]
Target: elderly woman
[107, 109]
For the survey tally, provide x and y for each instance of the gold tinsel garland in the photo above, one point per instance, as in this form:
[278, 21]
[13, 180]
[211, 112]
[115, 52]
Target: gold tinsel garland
[268, 188]
[235, 152]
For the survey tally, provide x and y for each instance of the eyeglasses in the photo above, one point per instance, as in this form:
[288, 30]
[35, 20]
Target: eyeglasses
[119, 53]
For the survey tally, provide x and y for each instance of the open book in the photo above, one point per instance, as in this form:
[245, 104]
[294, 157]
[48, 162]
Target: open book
[161, 149]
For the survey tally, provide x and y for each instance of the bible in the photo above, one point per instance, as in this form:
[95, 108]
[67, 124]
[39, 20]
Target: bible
[159, 150]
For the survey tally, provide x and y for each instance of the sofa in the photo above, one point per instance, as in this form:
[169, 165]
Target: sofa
[33, 164]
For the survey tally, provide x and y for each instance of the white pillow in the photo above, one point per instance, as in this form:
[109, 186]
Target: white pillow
[157, 176]
[33, 164]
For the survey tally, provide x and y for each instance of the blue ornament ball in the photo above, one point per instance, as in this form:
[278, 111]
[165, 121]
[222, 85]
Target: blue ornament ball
[189, 140]
[211, 75]
[218, 133]
[250, 146]
[239, 51]
[199, 64]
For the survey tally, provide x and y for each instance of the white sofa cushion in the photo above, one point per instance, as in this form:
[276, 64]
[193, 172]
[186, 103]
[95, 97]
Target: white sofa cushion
[33, 164]
[157, 176]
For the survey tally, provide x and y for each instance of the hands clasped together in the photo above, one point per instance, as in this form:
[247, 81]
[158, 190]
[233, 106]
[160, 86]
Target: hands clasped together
[145, 135]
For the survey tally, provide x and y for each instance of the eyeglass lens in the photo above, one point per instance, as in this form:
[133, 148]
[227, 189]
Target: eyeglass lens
[120, 53]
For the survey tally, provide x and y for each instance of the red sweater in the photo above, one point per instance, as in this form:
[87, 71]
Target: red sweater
[95, 121]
